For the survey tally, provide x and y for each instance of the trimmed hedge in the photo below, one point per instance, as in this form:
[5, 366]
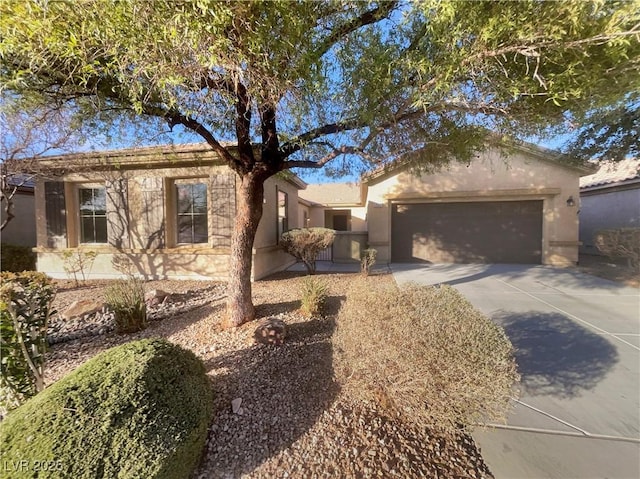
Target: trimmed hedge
[16, 258]
[140, 410]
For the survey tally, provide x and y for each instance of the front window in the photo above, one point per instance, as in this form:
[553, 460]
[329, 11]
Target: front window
[93, 215]
[283, 219]
[192, 212]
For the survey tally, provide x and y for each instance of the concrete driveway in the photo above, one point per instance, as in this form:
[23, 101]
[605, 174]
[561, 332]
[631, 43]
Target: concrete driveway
[577, 341]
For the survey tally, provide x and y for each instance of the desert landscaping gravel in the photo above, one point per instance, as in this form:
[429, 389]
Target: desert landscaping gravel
[279, 413]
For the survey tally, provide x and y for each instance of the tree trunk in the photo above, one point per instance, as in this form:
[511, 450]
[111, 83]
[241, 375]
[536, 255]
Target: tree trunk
[248, 213]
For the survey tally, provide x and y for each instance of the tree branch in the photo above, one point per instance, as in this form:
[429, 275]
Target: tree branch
[301, 140]
[367, 18]
[176, 118]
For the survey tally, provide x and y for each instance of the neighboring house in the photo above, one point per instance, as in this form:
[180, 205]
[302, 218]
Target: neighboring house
[166, 211]
[21, 229]
[609, 198]
[516, 209]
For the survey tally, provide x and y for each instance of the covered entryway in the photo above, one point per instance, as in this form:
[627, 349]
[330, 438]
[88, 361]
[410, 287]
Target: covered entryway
[467, 232]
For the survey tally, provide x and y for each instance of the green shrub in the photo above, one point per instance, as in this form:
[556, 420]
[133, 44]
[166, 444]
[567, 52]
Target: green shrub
[367, 260]
[125, 297]
[620, 243]
[314, 294]
[304, 244]
[25, 307]
[16, 258]
[140, 410]
[425, 353]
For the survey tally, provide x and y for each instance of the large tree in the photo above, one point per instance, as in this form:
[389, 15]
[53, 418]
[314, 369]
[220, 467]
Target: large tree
[307, 84]
[28, 132]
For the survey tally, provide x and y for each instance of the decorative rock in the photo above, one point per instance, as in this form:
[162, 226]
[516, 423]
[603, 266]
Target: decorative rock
[81, 308]
[270, 331]
[236, 406]
[155, 297]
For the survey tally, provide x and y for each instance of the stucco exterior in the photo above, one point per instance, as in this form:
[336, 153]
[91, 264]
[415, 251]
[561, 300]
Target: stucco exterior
[141, 215]
[491, 177]
[609, 198]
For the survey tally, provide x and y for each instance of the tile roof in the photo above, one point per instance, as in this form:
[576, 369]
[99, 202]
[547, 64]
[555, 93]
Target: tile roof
[612, 172]
[332, 193]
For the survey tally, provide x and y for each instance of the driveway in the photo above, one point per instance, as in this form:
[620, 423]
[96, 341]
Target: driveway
[577, 342]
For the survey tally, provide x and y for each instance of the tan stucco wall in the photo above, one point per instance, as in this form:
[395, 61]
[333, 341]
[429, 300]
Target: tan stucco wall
[21, 229]
[165, 259]
[491, 177]
[157, 265]
[316, 217]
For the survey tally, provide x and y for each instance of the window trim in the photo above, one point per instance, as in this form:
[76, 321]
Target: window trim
[79, 216]
[175, 214]
[285, 226]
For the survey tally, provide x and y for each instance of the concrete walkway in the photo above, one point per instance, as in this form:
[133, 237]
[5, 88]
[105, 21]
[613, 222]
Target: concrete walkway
[577, 341]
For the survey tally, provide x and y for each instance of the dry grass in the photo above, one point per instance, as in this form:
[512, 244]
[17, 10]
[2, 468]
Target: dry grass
[424, 353]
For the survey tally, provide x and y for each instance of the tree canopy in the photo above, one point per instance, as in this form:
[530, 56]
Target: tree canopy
[315, 83]
[379, 79]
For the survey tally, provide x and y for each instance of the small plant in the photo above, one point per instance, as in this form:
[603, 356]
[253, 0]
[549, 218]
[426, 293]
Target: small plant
[25, 307]
[125, 297]
[314, 294]
[16, 258]
[78, 261]
[305, 243]
[620, 243]
[367, 261]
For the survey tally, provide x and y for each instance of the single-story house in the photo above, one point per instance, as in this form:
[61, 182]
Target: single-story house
[165, 211]
[609, 198]
[21, 229]
[519, 208]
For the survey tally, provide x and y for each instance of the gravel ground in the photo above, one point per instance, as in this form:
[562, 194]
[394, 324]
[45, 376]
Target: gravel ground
[294, 420]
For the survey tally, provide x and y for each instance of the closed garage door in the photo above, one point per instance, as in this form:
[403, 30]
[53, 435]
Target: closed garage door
[480, 232]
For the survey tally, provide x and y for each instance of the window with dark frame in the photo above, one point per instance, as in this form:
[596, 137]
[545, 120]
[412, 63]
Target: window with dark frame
[191, 209]
[283, 218]
[93, 215]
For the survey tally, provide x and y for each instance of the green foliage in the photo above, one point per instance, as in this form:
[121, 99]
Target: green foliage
[304, 244]
[450, 70]
[25, 307]
[314, 293]
[140, 410]
[368, 260]
[78, 261]
[424, 353]
[16, 258]
[620, 243]
[125, 297]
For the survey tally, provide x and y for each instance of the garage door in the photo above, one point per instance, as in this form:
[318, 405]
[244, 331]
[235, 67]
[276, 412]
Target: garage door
[480, 232]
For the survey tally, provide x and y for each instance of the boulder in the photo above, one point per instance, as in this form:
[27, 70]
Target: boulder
[82, 308]
[270, 331]
[155, 297]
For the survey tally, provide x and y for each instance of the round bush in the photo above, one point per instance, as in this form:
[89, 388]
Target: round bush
[140, 410]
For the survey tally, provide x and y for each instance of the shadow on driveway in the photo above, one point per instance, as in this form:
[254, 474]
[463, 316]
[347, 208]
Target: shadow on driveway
[556, 356]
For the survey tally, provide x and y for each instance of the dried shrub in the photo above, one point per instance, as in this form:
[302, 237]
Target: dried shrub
[304, 244]
[78, 261]
[16, 258]
[367, 260]
[620, 243]
[314, 294]
[125, 297]
[424, 353]
[25, 307]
